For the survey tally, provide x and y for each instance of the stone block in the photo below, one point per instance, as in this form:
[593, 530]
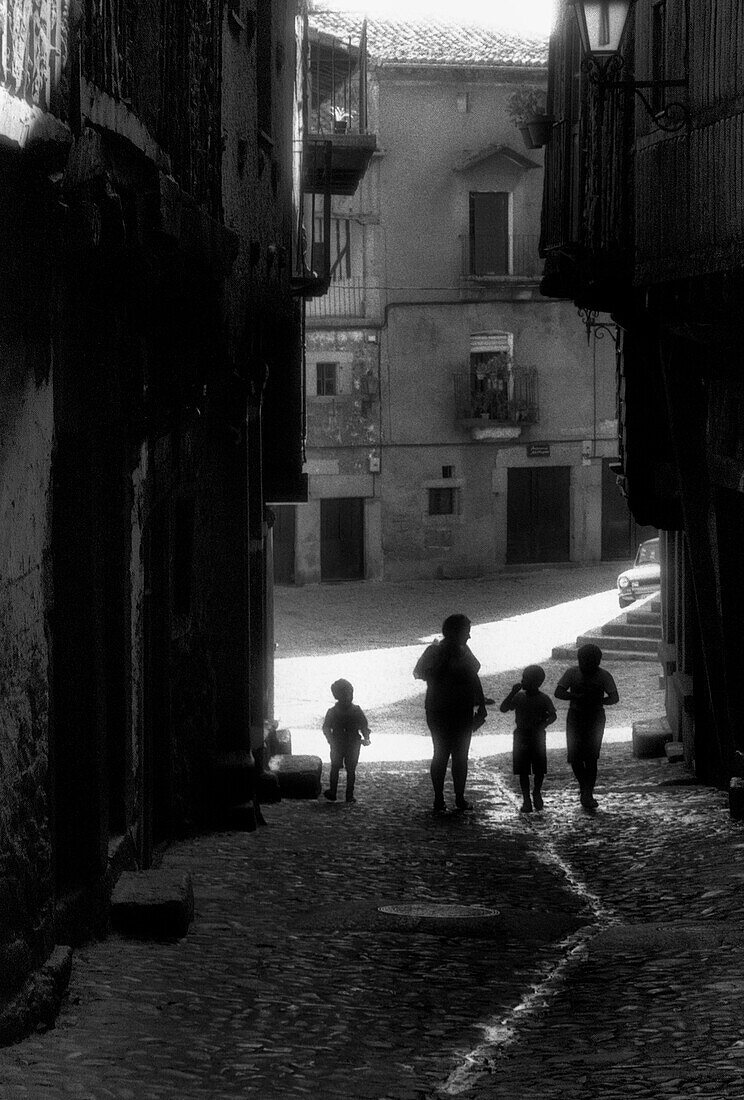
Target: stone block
[298, 776]
[234, 778]
[242, 818]
[675, 752]
[268, 788]
[157, 904]
[37, 1004]
[279, 742]
[650, 736]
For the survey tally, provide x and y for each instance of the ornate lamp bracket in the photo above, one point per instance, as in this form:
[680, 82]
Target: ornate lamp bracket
[672, 117]
[598, 329]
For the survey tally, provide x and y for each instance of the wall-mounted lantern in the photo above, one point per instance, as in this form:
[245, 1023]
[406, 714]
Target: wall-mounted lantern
[602, 28]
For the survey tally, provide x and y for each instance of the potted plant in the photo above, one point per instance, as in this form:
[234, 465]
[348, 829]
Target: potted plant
[340, 120]
[526, 106]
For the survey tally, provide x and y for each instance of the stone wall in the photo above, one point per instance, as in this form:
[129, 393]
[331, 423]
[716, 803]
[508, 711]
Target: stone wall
[26, 930]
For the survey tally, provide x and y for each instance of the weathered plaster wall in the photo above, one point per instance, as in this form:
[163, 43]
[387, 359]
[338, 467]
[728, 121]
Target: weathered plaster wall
[424, 346]
[26, 929]
[351, 418]
[426, 138]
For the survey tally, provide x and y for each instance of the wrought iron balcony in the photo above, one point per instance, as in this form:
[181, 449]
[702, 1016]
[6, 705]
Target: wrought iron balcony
[500, 255]
[507, 399]
[337, 147]
[344, 298]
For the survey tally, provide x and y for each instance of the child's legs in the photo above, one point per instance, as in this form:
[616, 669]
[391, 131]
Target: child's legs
[351, 759]
[439, 762]
[460, 748]
[524, 784]
[337, 760]
[539, 778]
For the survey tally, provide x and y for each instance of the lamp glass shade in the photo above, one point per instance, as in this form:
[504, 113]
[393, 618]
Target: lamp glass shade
[601, 25]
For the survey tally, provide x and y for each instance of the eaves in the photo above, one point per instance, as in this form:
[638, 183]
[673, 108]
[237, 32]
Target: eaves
[428, 72]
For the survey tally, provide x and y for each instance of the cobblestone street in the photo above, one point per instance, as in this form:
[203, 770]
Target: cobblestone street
[611, 969]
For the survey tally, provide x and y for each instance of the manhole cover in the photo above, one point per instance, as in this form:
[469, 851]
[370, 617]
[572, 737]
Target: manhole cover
[439, 911]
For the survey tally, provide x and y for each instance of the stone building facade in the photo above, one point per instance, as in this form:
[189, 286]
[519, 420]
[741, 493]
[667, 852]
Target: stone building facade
[457, 420]
[150, 360]
[642, 219]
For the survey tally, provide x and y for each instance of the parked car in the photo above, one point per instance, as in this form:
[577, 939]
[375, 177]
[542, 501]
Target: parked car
[643, 577]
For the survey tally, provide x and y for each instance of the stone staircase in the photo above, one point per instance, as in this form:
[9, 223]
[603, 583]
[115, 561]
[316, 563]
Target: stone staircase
[633, 636]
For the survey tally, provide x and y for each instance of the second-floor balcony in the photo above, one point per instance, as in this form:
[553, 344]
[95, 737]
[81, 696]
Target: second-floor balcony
[337, 147]
[501, 256]
[344, 298]
[498, 405]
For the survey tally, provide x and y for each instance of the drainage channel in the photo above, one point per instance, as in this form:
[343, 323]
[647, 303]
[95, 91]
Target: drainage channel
[499, 1034]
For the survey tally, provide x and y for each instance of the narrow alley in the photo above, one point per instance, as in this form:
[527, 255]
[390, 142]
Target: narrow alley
[592, 954]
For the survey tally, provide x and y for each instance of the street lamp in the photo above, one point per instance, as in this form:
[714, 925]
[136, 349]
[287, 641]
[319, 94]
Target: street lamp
[602, 27]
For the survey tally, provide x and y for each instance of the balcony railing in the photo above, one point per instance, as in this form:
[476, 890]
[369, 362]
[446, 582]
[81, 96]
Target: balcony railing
[497, 399]
[498, 256]
[338, 84]
[344, 298]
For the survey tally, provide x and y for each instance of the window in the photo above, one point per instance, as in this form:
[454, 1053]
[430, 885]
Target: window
[491, 374]
[327, 385]
[442, 502]
[489, 233]
[340, 248]
[448, 471]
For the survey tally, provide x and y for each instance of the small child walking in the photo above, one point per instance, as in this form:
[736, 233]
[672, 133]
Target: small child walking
[588, 689]
[346, 729]
[533, 712]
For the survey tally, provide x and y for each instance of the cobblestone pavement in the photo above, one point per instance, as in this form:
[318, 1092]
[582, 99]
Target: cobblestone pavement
[612, 970]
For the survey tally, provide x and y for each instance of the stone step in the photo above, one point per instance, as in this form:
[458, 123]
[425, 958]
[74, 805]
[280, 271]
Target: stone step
[612, 641]
[157, 904]
[632, 630]
[643, 618]
[299, 776]
[568, 653]
[651, 736]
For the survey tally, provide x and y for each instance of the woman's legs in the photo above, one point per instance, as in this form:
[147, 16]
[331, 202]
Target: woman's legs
[460, 747]
[439, 765]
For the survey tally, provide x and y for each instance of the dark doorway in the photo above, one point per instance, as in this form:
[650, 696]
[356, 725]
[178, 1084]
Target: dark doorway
[157, 746]
[620, 532]
[538, 514]
[77, 697]
[284, 543]
[342, 539]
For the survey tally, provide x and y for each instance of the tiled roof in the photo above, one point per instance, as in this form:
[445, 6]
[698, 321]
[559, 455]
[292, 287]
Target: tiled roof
[434, 41]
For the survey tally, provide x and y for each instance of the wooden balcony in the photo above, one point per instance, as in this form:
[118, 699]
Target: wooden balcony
[337, 147]
[342, 171]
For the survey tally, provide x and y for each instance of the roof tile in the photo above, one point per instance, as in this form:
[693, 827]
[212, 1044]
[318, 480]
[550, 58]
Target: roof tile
[426, 41]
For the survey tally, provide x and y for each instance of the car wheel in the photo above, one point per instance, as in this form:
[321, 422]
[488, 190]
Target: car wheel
[625, 601]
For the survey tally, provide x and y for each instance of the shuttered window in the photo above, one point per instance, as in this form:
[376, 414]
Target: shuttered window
[489, 232]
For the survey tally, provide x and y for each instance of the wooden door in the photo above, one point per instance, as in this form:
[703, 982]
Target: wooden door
[538, 514]
[284, 543]
[620, 532]
[342, 539]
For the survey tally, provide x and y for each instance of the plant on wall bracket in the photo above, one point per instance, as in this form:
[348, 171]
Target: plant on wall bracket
[526, 107]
